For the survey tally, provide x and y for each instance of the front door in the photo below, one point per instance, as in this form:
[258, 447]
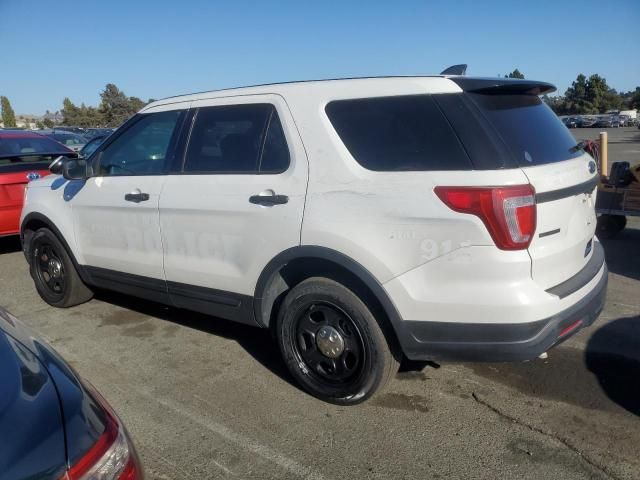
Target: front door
[116, 218]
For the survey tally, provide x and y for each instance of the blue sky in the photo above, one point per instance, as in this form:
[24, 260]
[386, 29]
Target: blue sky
[158, 48]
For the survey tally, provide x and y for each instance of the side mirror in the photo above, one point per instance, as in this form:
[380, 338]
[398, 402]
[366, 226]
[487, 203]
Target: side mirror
[56, 166]
[75, 169]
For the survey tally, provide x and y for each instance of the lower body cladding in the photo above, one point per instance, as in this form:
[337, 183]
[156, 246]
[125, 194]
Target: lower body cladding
[581, 300]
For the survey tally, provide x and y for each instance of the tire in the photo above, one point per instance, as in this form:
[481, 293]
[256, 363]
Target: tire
[53, 272]
[332, 344]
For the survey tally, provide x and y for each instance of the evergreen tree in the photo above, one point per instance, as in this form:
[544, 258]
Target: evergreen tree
[8, 115]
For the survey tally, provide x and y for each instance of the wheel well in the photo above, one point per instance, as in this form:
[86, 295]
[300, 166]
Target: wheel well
[30, 227]
[299, 269]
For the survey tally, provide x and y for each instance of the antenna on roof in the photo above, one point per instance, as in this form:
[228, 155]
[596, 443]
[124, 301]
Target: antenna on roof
[455, 70]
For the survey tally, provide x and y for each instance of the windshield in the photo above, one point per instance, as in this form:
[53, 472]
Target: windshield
[533, 133]
[28, 145]
[69, 139]
[91, 146]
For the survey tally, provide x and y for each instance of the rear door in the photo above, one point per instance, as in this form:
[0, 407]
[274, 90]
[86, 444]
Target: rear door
[234, 204]
[564, 179]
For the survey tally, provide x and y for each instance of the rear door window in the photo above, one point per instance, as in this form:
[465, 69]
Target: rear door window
[237, 139]
[403, 133]
[529, 128]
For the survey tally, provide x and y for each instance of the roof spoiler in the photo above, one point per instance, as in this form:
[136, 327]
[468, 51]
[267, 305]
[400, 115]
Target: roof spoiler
[455, 70]
[503, 85]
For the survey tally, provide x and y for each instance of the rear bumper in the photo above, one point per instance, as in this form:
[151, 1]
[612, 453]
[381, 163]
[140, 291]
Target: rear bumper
[497, 342]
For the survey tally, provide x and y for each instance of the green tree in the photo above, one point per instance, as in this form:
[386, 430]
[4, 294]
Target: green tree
[515, 74]
[8, 115]
[557, 103]
[48, 123]
[70, 113]
[115, 107]
[576, 96]
[601, 96]
[591, 95]
[631, 99]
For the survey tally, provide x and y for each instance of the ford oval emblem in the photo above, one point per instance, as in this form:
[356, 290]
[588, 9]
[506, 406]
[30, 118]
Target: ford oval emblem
[33, 176]
[592, 166]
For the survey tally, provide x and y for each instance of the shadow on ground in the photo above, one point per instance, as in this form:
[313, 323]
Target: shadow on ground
[10, 244]
[606, 376]
[613, 356]
[622, 253]
[257, 342]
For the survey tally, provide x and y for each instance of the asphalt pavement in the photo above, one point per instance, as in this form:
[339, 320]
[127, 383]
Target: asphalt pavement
[205, 398]
[624, 143]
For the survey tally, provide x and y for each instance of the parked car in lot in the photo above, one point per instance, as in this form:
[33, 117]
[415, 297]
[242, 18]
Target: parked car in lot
[587, 121]
[91, 133]
[571, 122]
[53, 424]
[361, 220]
[24, 156]
[606, 122]
[91, 146]
[70, 140]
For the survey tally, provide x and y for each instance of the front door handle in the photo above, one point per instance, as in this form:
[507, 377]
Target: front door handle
[136, 196]
[268, 198]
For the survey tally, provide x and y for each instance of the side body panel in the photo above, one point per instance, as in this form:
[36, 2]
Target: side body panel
[390, 222]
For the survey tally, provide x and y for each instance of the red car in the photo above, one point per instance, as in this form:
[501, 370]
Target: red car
[24, 156]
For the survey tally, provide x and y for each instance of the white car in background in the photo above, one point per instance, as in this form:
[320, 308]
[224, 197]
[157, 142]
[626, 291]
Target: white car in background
[361, 220]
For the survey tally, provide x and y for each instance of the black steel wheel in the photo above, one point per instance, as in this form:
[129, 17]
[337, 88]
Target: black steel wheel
[53, 272]
[49, 268]
[329, 343]
[332, 343]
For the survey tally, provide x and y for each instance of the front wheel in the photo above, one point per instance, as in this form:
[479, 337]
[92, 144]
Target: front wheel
[53, 272]
[332, 344]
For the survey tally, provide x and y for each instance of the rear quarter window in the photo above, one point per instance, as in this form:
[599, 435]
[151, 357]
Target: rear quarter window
[528, 127]
[402, 133]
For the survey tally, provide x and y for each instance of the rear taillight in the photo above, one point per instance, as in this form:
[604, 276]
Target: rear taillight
[112, 457]
[509, 213]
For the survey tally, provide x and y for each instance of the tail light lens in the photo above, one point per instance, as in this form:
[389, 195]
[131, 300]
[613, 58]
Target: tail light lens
[509, 213]
[112, 457]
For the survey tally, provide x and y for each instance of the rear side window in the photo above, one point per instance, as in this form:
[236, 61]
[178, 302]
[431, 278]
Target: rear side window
[405, 133]
[237, 139]
[529, 128]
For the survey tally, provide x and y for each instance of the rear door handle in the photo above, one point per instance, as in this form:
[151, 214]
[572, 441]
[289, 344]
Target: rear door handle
[136, 196]
[269, 200]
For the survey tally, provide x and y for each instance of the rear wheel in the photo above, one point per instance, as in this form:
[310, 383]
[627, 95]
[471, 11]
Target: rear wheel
[53, 273]
[332, 343]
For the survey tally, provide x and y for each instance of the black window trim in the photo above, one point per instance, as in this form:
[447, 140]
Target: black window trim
[185, 146]
[173, 148]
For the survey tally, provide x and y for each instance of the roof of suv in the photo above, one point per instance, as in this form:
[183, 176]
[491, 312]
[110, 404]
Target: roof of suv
[365, 86]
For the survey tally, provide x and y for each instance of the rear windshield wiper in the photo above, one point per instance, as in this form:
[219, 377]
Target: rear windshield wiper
[578, 146]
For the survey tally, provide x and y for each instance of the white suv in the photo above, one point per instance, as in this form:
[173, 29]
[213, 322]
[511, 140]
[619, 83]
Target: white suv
[361, 220]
